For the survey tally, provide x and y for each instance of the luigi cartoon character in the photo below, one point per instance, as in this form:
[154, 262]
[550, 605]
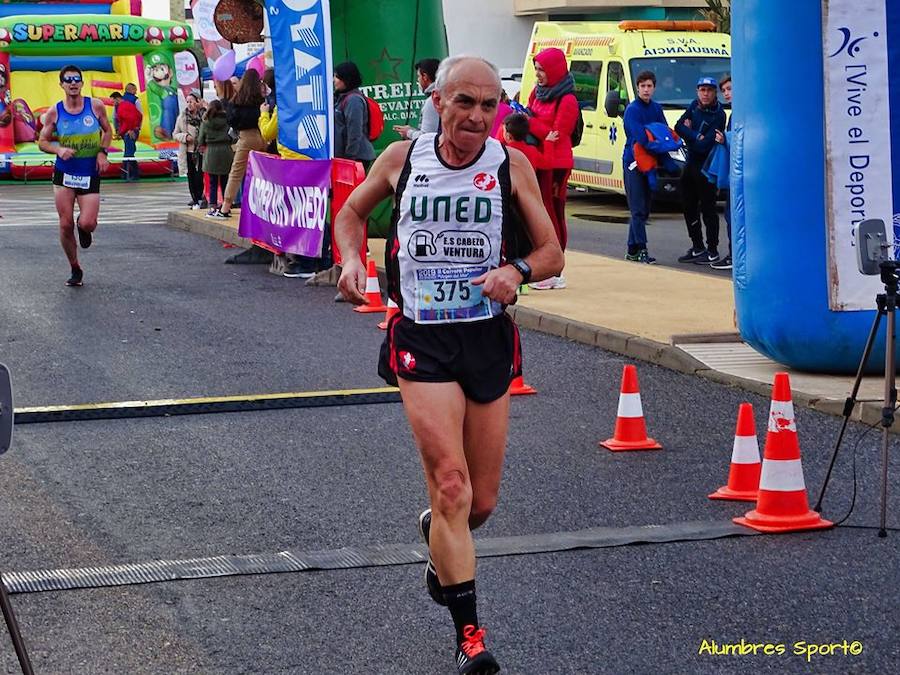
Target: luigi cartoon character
[163, 97]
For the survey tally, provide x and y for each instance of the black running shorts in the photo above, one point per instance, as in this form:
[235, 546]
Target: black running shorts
[92, 189]
[482, 356]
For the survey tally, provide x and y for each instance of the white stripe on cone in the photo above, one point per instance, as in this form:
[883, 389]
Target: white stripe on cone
[391, 304]
[630, 405]
[782, 475]
[781, 416]
[372, 285]
[745, 451]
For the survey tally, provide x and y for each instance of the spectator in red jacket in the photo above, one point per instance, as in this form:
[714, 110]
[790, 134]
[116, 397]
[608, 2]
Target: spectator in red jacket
[127, 120]
[553, 107]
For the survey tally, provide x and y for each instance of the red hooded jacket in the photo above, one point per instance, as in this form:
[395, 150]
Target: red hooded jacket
[555, 115]
[129, 118]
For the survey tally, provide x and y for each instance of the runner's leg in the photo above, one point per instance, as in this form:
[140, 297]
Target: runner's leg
[88, 210]
[436, 413]
[484, 434]
[65, 206]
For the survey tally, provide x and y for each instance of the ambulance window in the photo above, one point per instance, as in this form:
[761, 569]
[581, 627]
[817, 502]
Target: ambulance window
[587, 82]
[615, 81]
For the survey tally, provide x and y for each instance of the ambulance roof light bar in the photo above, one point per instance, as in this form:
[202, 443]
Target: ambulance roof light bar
[701, 26]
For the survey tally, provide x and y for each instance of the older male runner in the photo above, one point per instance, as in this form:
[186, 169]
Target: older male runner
[452, 349]
[82, 135]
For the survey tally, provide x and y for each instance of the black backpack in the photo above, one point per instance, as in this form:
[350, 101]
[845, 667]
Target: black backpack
[578, 131]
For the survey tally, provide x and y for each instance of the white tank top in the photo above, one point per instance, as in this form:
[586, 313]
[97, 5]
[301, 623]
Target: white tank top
[447, 229]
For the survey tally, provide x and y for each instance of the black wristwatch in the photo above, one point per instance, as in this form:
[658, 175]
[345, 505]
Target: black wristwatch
[523, 268]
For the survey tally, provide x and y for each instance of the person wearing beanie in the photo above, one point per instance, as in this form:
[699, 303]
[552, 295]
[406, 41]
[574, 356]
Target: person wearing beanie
[351, 116]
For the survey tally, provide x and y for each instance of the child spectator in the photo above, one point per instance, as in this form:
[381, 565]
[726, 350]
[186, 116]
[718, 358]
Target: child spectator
[218, 156]
[127, 120]
[515, 135]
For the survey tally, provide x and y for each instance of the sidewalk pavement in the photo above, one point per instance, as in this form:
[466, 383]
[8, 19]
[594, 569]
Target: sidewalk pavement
[682, 320]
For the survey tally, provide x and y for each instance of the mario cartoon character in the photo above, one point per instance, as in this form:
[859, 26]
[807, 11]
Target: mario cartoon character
[178, 35]
[4, 38]
[162, 95]
[154, 35]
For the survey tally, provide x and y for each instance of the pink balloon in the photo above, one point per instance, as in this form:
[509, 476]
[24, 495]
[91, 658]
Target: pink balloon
[224, 66]
[258, 63]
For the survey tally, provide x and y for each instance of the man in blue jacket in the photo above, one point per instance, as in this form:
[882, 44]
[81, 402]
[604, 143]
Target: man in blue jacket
[697, 127]
[639, 113]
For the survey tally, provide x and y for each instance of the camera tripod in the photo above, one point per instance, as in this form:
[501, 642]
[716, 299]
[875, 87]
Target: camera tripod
[6, 425]
[887, 306]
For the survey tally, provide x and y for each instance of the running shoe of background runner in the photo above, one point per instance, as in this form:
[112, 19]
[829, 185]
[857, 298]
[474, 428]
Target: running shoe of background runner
[77, 277]
[84, 238]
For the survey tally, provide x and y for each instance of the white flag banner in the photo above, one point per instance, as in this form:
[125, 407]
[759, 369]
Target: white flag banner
[860, 183]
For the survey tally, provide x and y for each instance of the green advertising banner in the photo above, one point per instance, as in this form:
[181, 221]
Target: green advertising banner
[385, 39]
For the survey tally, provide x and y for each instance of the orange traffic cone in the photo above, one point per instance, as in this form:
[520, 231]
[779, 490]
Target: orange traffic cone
[631, 432]
[743, 476]
[518, 387]
[391, 310]
[782, 505]
[373, 293]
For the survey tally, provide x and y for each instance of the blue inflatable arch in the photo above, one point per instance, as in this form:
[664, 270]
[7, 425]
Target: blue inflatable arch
[781, 256]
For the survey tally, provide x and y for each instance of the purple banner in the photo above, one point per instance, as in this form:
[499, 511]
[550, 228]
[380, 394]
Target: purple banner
[285, 202]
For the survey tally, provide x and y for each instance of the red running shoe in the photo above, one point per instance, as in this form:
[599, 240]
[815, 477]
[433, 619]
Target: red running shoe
[471, 656]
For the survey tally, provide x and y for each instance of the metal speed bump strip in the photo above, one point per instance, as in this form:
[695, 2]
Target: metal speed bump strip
[205, 405]
[6, 409]
[355, 557]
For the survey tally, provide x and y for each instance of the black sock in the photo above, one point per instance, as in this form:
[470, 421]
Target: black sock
[633, 250]
[461, 603]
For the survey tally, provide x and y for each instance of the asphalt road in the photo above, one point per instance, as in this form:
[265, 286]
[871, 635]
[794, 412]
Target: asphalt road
[161, 316]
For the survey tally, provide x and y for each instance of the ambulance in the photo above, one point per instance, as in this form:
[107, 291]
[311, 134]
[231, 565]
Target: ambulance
[605, 58]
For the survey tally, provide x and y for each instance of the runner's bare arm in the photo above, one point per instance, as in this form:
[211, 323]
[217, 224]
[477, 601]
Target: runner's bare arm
[105, 137]
[350, 222]
[44, 142]
[100, 112]
[546, 258]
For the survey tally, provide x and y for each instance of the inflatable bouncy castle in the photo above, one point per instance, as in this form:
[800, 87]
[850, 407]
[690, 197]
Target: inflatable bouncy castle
[114, 46]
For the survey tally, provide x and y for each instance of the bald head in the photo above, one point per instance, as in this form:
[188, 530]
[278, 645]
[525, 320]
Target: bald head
[466, 68]
[466, 95]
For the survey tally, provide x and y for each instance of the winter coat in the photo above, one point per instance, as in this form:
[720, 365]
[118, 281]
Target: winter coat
[503, 110]
[128, 117]
[709, 119]
[637, 116]
[429, 120]
[242, 117]
[351, 127]
[214, 135]
[183, 129]
[268, 127]
[180, 133]
[539, 158]
[557, 115]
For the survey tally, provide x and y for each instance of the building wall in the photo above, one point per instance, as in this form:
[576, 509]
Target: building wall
[488, 28]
